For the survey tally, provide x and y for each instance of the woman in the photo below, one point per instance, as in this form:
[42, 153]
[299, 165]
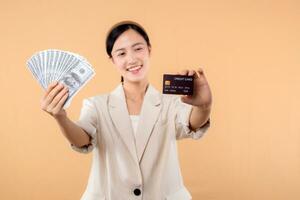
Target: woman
[132, 131]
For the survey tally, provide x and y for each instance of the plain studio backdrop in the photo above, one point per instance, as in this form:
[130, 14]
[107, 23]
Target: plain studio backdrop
[250, 51]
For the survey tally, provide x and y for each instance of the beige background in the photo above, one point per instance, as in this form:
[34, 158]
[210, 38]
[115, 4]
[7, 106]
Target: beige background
[250, 53]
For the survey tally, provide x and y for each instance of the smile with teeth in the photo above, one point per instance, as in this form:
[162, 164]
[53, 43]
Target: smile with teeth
[134, 68]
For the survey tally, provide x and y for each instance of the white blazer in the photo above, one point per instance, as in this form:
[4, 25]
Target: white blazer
[141, 168]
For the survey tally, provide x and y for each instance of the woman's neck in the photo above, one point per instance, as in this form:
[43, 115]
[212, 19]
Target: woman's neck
[135, 90]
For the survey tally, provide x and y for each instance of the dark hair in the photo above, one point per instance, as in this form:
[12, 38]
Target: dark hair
[120, 28]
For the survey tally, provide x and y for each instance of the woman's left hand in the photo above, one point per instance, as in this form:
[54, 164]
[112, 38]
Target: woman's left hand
[201, 97]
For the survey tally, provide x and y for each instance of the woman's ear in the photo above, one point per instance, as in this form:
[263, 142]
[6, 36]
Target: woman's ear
[149, 48]
[111, 59]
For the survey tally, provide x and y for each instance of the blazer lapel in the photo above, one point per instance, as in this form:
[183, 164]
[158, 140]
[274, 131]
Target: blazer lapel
[148, 117]
[120, 117]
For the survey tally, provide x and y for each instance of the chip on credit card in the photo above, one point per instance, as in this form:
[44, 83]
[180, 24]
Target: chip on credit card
[178, 84]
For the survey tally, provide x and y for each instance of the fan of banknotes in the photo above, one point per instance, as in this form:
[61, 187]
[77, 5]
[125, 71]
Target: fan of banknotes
[68, 68]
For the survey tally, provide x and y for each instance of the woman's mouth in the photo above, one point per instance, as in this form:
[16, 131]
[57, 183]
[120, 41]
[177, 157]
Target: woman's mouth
[135, 70]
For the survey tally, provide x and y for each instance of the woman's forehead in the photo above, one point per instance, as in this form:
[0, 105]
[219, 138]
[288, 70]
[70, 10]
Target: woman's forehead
[128, 39]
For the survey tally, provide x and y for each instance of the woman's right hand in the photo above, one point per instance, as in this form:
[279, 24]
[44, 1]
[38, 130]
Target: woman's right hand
[53, 100]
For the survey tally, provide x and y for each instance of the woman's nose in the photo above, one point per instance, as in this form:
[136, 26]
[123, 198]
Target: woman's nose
[131, 58]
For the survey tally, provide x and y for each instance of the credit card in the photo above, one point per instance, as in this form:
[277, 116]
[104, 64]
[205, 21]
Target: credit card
[178, 84]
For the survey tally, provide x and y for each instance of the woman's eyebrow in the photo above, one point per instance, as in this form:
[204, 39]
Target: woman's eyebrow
[138, 43]
[121, 49]
[135, 44]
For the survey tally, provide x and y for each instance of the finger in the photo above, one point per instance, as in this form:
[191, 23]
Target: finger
[49, 88]
[184, 72]
[191, 72]
[202, 77]
[58, 97]
[61, 102]
[44, 101]
[186, 99]
[53, 93]
[200, 72]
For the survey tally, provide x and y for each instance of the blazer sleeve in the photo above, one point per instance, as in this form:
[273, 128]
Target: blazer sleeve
[182, 125]
[88, 122]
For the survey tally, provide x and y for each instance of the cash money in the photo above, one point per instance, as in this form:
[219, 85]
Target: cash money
[69, 68]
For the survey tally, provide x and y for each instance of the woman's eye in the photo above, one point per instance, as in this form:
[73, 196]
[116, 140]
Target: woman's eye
[121, 54]
[138, 49]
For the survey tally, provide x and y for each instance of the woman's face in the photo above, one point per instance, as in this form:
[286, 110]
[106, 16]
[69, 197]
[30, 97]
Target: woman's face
[130, 54]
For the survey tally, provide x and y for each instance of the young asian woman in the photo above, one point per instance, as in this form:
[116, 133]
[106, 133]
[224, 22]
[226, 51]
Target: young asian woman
[132, 131]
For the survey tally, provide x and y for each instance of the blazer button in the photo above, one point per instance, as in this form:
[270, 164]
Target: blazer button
[137, 191]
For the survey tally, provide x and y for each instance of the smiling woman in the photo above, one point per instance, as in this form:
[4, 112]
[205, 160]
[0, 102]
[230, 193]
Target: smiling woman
[132, 131]
[136, 42]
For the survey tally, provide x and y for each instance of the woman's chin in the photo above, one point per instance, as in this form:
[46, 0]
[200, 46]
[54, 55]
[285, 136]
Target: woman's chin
[136, 79]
